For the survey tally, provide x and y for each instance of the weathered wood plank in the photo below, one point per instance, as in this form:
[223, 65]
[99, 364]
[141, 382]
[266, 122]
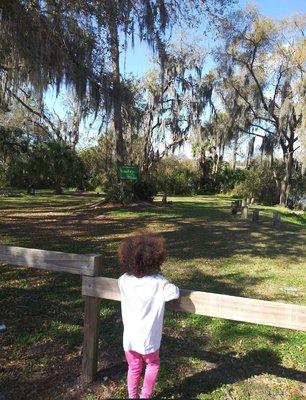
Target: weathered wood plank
[105, 288]
[242, 309]
[91, 338]
[80, 264]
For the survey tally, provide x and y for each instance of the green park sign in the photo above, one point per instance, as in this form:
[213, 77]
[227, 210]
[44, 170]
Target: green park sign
[130, 172]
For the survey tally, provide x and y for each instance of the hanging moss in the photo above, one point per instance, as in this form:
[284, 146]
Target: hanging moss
[39, 47]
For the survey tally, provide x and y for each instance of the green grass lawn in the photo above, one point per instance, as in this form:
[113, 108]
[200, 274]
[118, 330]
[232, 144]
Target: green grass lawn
[208, 249]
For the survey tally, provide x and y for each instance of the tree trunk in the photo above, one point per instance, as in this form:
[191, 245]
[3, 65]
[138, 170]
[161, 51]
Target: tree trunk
[147, 147]
[117, 103]
[217, 162]
[203, 168]
[235, 152]
[250, 151]
[271, 157]
[223, 151]
[57, 187]
[285, 183]
[262, 152]
[287, 145]
[80, 186]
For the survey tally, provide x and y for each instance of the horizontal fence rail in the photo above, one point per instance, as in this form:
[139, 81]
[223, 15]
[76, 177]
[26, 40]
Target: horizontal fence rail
[79, 264]
[241, 309]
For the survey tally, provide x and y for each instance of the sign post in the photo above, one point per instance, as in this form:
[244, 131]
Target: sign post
[128, 172]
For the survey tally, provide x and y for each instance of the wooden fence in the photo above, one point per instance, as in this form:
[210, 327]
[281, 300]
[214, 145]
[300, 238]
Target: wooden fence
[95, 287]
[79, 264]
[55, 261]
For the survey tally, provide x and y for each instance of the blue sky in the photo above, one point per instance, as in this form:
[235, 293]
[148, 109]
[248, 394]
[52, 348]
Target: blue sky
[137, 59]
[279, 8]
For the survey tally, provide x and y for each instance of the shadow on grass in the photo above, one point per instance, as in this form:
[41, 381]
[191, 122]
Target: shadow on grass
[53, 315]
[41, 348]
[195, 231]
[36, 308]
[228, 369]
[221, 369]
[231, 283]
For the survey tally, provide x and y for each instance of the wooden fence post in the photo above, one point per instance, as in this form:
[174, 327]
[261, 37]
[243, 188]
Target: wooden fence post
[91, 338]
[91, 330]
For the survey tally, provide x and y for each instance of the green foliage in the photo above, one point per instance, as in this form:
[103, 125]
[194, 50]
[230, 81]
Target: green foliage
[259, 183]
[229, 177]
[18, 171]
[298, 181]
[175, 176]
[178, 176]
[14, 147]
[126, 192]
[100, 162]
[120, 192]
[144, 190]
[222, 181]
[3, 176]
[263, 182]
[207, 183]
[56, 164]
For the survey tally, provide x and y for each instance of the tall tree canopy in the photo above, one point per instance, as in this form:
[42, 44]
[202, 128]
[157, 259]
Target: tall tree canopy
[175, 104]
[77, 43]
[262, 67]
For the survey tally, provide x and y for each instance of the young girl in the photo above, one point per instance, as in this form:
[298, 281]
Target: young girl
[144, 292]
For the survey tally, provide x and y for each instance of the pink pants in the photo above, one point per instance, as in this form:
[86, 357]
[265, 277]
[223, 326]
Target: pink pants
[136, 362]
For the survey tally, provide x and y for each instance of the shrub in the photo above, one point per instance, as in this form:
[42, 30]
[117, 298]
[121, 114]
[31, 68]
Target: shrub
[229, 177]
[100, 162]
[144, 190]
[259, 183]
[4, 181]
[298, 181]
[173, 175]
[127, 192]
[120, 193]
[56, 164]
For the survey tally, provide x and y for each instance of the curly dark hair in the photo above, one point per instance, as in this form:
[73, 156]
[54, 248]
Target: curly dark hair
[142, 254]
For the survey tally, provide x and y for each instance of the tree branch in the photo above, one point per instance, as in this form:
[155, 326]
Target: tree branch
[264, 129]
[171, 145]
[277, 83]
[251, 133]
[40, 115]
[295, 149]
